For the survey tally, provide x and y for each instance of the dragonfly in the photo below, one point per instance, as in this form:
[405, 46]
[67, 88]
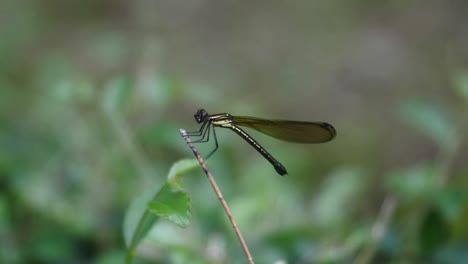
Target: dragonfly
[287, 130]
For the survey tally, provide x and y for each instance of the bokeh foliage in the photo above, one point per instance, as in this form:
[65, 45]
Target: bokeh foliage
[92, 94]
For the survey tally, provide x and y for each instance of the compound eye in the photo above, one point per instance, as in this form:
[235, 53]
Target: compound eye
[204, 115]
[200, 115]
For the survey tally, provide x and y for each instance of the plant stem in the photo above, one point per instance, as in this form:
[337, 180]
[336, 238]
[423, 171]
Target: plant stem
[219, 195]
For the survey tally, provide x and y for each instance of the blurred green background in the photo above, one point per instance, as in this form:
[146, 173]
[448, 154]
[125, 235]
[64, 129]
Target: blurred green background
[92, 94]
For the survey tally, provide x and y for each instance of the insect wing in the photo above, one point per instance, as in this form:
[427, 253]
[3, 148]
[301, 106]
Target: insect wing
[294, 131]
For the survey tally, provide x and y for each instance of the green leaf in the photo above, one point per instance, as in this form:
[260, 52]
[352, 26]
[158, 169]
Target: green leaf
[430, 121]
[451, 201]
[181, 167]
[434, 231]
[172, 203]
[332, 202]
[413, 183]
[166, 200]
[138, 221]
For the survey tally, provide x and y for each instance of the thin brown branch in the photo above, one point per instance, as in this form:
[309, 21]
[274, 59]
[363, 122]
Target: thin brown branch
[219, 195]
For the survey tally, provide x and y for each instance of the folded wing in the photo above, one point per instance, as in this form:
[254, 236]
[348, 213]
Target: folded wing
[294, 131]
